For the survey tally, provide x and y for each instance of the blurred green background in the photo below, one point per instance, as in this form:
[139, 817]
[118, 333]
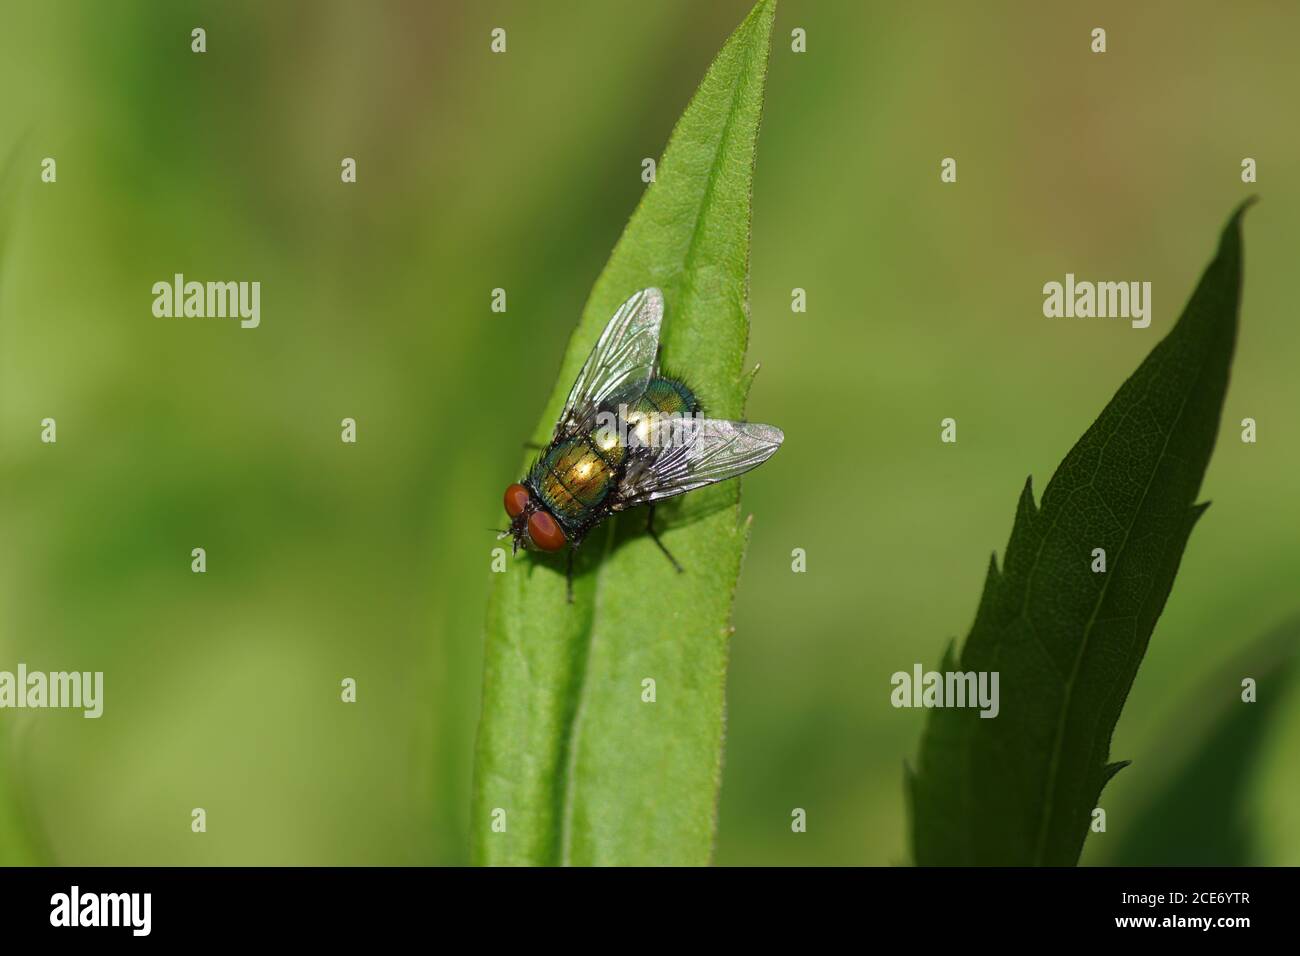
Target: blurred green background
[477, 171]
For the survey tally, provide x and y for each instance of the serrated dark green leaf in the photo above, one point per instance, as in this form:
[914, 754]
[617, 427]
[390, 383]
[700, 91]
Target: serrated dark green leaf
[1019, 789]
[572, 766]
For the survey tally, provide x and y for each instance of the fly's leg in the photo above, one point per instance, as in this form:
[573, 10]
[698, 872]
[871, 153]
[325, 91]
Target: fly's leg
[650, 528]
[568, 577]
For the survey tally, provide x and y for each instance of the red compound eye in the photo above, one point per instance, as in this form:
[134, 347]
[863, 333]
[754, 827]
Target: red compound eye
[545, 531]
[516, 500]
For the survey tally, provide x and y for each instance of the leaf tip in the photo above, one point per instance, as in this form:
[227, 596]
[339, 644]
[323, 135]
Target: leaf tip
[1026, 512]
[950, 656]
[1111, 769]
[1027, 496]
[763, 13]
[1230, 240]
[1241, 209]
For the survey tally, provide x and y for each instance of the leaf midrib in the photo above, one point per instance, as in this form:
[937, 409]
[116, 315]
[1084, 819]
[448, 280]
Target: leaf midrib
[1058, 737]
[569, 742]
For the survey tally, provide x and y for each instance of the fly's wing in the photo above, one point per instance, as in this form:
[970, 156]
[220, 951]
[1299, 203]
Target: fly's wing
[620, 365]
[701, 451]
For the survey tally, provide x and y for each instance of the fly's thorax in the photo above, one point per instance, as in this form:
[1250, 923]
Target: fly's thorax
[575, 476]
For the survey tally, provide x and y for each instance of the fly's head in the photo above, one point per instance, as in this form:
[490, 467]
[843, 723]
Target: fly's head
[531, 525]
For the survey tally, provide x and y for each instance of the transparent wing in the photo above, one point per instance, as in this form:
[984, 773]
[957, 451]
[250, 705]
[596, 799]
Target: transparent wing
[703, 452]
[619, 366]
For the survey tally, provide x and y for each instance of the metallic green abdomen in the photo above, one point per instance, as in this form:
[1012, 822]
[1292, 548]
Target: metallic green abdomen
[667, 397]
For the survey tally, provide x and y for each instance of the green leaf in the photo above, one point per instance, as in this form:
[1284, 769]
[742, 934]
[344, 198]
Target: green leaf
[1019, 789]
[570, 758]
[1213, 749]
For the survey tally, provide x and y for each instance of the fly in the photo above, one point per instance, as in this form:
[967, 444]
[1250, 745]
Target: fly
[629, 435]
